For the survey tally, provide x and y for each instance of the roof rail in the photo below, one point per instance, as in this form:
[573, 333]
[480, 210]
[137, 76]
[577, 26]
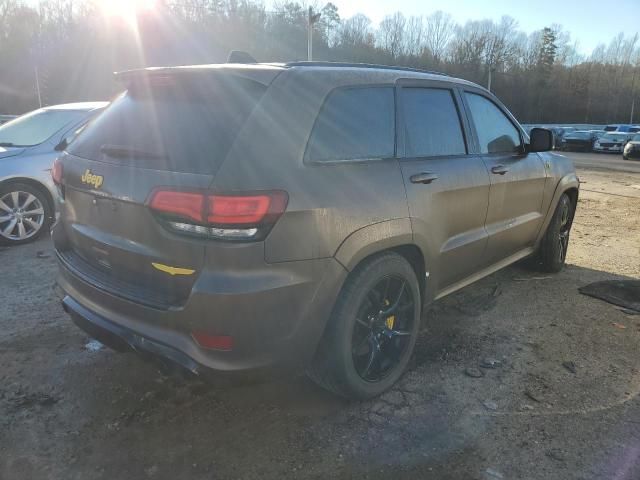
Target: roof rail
[361, 65]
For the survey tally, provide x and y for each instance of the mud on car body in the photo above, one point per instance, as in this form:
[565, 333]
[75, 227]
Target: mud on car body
[301, 215]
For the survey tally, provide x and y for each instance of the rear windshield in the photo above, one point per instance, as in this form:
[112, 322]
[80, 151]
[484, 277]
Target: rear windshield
[169, 123]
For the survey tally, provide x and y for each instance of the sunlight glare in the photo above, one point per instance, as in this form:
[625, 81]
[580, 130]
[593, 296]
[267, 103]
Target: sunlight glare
[126, 10]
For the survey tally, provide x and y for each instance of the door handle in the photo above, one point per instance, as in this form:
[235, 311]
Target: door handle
[499, 169]
[424, 177]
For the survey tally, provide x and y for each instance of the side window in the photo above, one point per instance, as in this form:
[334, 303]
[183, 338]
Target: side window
[431, 123]
[354, 123]
[496, 133]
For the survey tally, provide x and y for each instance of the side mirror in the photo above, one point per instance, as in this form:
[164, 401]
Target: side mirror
[62, 145]
[540, 140]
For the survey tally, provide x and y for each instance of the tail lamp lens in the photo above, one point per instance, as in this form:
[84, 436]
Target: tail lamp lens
[238, 210]
[56, 171]
[230, 217]
[213, 342]
[181, 204]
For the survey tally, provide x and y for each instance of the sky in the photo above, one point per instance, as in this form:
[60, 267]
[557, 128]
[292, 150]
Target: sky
[589, 21]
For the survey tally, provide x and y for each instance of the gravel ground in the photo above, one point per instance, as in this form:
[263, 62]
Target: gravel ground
[561, 401]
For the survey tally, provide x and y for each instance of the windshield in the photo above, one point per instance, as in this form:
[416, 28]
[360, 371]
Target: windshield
[613, 136]
[636, 138]
[36, 127]
[580, 135]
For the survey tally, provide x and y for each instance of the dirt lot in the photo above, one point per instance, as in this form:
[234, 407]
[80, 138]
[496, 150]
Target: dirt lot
[67, 411]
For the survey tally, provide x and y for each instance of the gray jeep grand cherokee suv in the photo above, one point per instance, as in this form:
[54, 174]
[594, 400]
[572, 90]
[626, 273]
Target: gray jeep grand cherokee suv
[254, 217]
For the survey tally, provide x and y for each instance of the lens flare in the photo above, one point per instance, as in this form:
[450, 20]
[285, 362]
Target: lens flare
[127, 10]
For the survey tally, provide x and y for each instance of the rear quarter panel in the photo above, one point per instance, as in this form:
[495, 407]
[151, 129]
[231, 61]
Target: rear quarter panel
[327, 202]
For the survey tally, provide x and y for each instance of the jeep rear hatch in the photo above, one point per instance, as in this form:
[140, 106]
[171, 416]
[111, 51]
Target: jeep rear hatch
[169, 132]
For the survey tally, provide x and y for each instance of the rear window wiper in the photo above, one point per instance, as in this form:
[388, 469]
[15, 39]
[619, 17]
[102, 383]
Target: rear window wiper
[122, 151]
[7, 144]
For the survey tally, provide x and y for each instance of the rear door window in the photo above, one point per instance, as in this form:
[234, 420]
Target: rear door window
[496, 133]
[431, 123]
[354, 123]
[171, 123]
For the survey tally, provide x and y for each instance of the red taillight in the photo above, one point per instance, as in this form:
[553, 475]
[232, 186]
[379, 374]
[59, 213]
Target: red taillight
[183, 204]
[240, 210]
[233, 217]
[213, 342]
[56, 171]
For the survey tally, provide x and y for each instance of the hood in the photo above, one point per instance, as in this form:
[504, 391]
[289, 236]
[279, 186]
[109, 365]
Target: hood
[6, 152]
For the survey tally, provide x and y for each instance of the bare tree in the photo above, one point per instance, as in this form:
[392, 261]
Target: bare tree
[439, 29]
[391, 34]
[414, 36]
[541, 76]
[356, 31]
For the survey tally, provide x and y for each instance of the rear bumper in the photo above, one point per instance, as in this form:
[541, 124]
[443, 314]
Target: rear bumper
[123, 339]
[276, 316]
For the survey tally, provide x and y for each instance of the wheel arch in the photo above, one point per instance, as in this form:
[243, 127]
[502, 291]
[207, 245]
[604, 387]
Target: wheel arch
[37, 185]
[572, 192]
[390, 236]
[569, 184]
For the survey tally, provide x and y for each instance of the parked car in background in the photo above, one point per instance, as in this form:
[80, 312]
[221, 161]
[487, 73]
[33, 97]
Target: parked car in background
[580, 140]
[197, 229]
[624, 128]
[632, 148]
[612, 142]
[6, 118]
[27, 150]
[558, 135]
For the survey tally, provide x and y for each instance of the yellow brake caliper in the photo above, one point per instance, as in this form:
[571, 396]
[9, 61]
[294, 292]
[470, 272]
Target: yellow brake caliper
[390, 320]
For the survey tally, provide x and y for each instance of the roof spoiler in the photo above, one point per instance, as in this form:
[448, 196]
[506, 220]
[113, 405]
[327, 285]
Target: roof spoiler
[238, 56]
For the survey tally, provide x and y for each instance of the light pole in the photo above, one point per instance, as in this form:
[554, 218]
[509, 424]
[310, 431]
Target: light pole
[633, 94]
[38, 88]
[491, 70]
[312, 19]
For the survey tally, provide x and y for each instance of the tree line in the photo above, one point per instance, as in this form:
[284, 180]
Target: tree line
[68, 49]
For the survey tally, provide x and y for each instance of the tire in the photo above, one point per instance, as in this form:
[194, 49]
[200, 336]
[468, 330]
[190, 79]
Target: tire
[32, 217]
[359, 356]
[624, 157]
[552, 251]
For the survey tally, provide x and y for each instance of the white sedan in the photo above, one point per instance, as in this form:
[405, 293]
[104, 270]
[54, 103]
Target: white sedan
[611, 142]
